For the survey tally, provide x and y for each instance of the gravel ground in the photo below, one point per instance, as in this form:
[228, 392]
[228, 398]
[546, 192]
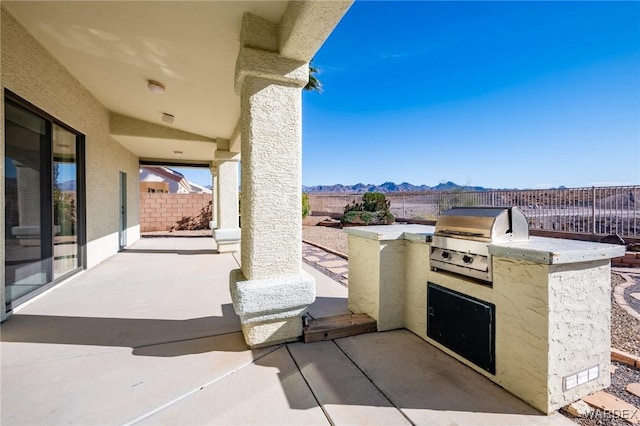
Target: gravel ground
[333, 238]
[625, 329]
[623, 375]
[633, 290]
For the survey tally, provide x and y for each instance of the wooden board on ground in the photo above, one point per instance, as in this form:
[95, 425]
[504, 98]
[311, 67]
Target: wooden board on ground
[615, 406]
[317, 330]
[634, 388]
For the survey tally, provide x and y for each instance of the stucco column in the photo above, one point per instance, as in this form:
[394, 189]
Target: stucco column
[271, 292]
[213, 224]
[227, 235]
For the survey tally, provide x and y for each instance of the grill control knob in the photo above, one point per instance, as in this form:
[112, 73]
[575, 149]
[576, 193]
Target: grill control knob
[445, 254]
[467, 259]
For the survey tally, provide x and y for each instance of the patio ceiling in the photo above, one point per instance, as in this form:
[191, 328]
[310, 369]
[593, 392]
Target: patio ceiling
[112, 48]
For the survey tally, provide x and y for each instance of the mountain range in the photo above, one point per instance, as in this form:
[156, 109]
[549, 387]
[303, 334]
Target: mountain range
[387, 187]
[69, 185]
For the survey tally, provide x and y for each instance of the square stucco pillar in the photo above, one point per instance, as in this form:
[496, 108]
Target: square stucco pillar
[271, 292]
[227, 235]
[213, 224]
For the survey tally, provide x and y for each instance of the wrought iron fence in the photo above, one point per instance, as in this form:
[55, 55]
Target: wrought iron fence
[595, 210]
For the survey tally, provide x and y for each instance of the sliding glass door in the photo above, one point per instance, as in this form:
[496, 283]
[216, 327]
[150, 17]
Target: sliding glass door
[28, 257]
[43, 214]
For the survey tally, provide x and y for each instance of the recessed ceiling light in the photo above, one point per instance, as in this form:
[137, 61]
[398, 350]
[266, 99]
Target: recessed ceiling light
[155, 86]
[167, 118]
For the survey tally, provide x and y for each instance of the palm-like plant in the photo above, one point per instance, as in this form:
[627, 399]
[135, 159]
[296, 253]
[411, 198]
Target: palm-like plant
[313, 84]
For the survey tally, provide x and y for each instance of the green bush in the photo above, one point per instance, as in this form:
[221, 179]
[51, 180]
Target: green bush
[306, 207]
[366, 217]
[373, 210]
[350, 217]
[386, 217]
[374, 201]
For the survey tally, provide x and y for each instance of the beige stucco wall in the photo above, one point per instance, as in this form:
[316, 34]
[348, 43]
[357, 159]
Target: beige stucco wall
[416, 277]
[364, 269]
[544, 316]
[29, 71]
[520, 292]
[381, 290]
[579, 326]
[392, 294]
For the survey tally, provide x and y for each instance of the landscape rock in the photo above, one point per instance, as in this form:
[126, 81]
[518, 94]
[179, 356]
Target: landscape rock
[579, 409]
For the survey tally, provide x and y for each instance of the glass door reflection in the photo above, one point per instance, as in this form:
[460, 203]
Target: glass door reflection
[27, 221]
[65, 200]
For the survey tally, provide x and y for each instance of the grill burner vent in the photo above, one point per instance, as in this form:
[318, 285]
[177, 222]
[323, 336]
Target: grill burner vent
[463, 234]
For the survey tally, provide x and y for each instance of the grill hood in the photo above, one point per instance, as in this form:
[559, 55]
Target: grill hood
[484, 224]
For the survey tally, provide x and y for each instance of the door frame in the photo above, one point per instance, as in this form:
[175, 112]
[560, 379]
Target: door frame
[46, 205]
[122, 211]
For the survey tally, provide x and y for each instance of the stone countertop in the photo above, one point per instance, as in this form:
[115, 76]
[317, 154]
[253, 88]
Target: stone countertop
[556, 251]
[419, 233]
[549, 251]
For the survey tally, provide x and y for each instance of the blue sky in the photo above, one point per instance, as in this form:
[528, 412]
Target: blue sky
[494, 94]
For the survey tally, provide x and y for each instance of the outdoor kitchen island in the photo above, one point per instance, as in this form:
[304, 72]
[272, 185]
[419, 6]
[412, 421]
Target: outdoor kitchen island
[540, 328]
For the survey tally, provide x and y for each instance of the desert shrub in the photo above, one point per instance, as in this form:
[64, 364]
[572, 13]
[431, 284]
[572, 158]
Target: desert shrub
[306, 207]
[374, 201]
[373, 210]
[371, 202]
[350, 217]
[366, 217]
[386, 217]
[353, 207]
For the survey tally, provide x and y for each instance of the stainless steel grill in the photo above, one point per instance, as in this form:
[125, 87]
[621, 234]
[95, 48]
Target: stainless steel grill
[463, 234]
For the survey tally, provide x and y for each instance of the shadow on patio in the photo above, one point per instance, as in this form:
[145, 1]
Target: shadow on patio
[142, 335]
[174, 251]
[147, 337]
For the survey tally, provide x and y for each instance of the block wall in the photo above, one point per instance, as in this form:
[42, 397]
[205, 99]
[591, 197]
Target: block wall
[164, 212]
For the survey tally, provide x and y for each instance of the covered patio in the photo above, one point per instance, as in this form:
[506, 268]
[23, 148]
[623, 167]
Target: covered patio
[150, 337]
[93, 90]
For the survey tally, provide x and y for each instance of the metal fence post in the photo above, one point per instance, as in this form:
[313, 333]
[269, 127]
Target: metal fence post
[593, 208]
[404, 214]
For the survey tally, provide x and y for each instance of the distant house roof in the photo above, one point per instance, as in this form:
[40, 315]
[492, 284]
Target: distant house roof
[199, 188]
[177, 182]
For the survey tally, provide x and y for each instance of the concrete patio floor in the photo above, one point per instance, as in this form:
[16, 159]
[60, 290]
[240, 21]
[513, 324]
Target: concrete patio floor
[150, 337]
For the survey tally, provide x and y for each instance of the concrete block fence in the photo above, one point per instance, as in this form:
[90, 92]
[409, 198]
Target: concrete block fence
[162, 212]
